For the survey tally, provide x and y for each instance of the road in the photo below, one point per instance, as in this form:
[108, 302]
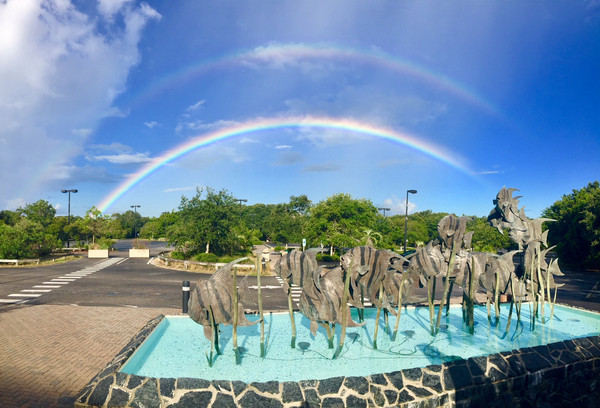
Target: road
[133, 282]
[118, 281]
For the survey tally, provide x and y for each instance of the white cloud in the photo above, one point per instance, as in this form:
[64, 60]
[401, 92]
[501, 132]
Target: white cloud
[283, 147]
[398, 206]
[320, 168]
[122, 158]
[151, 124]
[82, 132]
[59, 75]
[176, 189]
[244, 140]
[195, 106]
[113, 147]
[109, 8]
[200, 125]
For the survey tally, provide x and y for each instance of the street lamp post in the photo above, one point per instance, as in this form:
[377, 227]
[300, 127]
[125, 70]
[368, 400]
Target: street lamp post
[135, 207]
[69, 210]
[406, 218]
[241, 200]
[384, 209]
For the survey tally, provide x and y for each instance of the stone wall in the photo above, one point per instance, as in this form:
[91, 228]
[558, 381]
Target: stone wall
[560, 374]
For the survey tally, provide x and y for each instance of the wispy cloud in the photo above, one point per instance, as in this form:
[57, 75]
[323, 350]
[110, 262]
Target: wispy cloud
[288, 158]
[176, 189]
[321, 168]
[280, 147]
[112, 147]
[195, 106]
[151, 124]
[122, 158]
[200, 125]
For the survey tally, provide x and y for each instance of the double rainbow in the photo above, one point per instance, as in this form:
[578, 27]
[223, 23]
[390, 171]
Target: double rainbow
[262, 124]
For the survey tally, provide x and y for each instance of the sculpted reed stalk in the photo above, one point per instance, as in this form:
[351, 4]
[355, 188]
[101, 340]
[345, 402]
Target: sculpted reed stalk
[260, 306]
[328, 293]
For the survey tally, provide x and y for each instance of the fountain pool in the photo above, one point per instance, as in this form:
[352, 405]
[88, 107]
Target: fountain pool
[165, 365]
[177, 347]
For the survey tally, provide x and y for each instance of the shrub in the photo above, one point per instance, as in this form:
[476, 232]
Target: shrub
[177, 255]
[140, 244]
[328, 258]
[204, 257]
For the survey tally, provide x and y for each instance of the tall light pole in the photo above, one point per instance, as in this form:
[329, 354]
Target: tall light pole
[406, 218]
[135, 207]
[69, 211]
[241, 200]
[384, 209]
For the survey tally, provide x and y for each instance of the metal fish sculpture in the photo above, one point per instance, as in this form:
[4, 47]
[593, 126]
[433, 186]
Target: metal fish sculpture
[324, 306]
[367, 269]
[301, 269]
[214, 301]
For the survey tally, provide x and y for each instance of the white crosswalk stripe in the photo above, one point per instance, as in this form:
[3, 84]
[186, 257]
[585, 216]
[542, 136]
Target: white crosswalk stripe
[28, 294]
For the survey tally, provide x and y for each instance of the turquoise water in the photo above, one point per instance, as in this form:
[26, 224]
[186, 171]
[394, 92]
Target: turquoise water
[178, 348]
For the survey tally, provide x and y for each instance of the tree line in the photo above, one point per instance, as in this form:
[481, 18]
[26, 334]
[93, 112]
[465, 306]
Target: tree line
[215, 222]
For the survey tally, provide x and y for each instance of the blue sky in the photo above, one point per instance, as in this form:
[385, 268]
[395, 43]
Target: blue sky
[471, 96]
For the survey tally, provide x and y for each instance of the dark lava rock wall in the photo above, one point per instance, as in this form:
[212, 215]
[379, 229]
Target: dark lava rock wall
[560, 374]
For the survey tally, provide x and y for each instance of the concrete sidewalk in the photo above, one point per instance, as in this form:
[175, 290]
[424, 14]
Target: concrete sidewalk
[48, 353]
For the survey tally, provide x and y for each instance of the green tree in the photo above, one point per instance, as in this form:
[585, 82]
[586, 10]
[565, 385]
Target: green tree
[41, 212]
[9, 217]
[206, 223]
[340, 221]
[487, 238]
[576, 232]
[157, 227]
[26, 239]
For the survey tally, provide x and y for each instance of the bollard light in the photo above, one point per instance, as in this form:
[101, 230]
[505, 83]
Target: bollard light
[185, 296]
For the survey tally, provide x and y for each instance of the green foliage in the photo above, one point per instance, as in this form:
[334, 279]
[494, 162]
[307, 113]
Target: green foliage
[41, 212]
[177, 255]
[576, 232]
[206, 223]
[26, 239]
[422, 227]
[340, 221]
[204, 257]
[9, 217]
[328, 258]
[487, 238]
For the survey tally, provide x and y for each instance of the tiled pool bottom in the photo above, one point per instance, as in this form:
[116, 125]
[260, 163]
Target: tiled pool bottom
[563, 373]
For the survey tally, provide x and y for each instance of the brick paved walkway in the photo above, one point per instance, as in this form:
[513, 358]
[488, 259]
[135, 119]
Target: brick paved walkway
[48, 353]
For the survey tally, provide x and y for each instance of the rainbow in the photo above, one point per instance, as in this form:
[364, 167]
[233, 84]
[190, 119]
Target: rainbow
[262, 124]
[277, 55]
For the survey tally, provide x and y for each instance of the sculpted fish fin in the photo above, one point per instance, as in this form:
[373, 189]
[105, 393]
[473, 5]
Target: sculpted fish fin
[242, 320]
[314, 326]
[363, 269]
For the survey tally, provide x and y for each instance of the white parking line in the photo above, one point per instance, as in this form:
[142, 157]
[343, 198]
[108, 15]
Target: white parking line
[55, 283]
[13, 300]
[47, 286]
[58, 280]
[24, 295]
[69, 277]
[36, 290]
